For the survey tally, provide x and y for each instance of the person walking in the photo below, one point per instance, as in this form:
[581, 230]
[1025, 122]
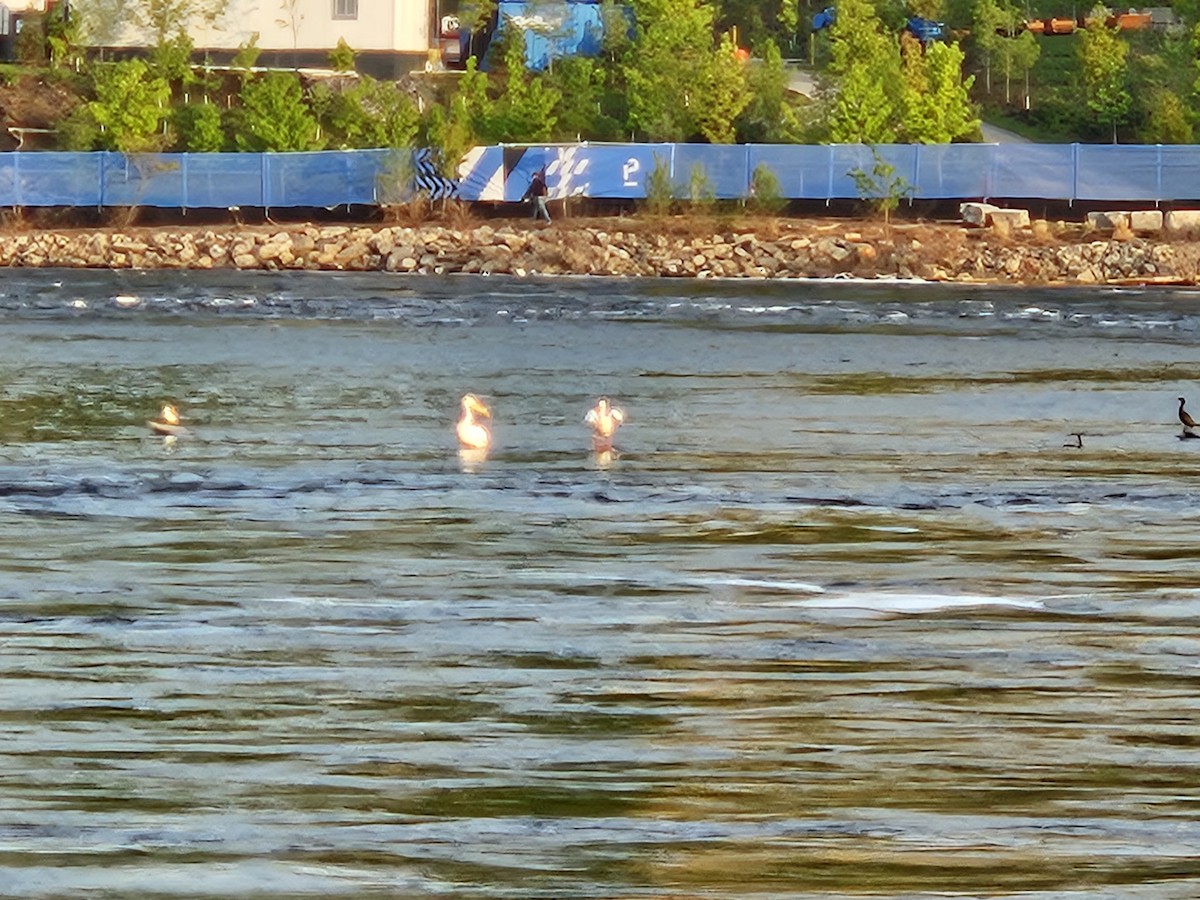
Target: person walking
[537, 193]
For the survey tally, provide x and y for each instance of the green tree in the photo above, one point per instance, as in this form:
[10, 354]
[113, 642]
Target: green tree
[274, 116]
[1188, 10]
[247, 55]
[32, 48]
[937, 103]
[928, 9]
[369, 113]
[1168, 120]
[452, 129]
[770, 116]
[587, 108]
[760, 21]
[988, 25]
[130, 106]
[475, 14]
[62, 35]
[172, 59]
[617, 27]
[525, 107]
[681, 83]
[868, 103]
[727, 94]
[341, 57]
[1104, 55]
[1003, 41]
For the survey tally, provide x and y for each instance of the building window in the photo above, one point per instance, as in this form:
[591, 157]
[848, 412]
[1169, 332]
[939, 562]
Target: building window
[345, 9]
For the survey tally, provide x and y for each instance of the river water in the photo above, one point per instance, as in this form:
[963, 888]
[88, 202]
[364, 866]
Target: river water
[844, 616]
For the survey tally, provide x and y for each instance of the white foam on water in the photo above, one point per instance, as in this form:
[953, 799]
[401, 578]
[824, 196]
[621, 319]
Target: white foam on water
[917, 604]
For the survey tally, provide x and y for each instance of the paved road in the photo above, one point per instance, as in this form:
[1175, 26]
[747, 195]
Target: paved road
[992, 134]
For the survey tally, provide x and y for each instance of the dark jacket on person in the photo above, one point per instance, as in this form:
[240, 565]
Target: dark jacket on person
[537, 186]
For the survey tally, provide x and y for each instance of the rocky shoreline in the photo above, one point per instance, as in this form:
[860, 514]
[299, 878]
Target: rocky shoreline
[1044, 253]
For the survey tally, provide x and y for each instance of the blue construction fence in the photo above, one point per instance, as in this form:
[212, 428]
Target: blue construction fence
[1070, 172]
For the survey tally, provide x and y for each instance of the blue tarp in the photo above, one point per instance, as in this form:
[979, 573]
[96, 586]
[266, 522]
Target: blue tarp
[553, 29]
[1094, 172]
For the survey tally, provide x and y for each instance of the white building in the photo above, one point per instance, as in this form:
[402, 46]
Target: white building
[391, 37]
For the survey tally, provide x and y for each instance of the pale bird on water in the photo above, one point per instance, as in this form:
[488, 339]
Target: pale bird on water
[473, 434]
[168, 422]
[604, 419]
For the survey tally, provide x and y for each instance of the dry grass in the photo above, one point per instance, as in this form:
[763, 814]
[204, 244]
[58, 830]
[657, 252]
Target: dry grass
[416, 211]
[120, 217]
[457, 214]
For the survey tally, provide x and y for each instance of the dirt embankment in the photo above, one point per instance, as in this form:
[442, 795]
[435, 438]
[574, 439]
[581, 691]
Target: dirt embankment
[31, 110]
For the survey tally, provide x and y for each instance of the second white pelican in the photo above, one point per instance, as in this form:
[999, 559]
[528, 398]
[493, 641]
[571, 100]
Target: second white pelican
[604, 419]
[168, 422]
[473, 434]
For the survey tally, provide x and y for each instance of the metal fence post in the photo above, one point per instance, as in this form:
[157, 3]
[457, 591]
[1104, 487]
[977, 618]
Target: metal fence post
[1158, 172]
[1074, 174]
[829, 184]
[916, 173]
[749, 180]
[265, 164]
[989, 178]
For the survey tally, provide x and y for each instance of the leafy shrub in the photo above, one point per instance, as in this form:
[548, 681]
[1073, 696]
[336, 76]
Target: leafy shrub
[130, 106]
[341, 57]
[369, 114]
[660, 193]
[699, 189]
[79, 131]
[274, 117]
[765, 194]
[198, 126]
[881, 186]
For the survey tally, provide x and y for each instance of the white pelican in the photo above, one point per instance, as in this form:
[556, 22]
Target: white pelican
[604, 419]
[473, 434]
[168, 422]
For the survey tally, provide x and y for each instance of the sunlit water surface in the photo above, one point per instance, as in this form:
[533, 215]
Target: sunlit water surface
[844, 616]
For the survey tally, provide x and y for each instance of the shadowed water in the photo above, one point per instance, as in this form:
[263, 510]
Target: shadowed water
[844, 617]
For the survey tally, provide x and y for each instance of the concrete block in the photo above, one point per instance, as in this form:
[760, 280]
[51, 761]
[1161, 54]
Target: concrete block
[1146, 221]
[1107, 221]
[1183, 221]
[1013, 218]
[978, 214]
